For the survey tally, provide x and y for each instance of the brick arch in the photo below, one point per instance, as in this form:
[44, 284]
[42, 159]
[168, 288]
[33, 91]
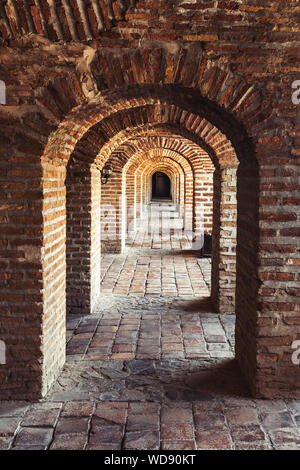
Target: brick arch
[175, 175]
[187, 106]
[156, 149]
[163, 149]
[268, 314]
[67, 95]
[186, 140]
[184, 145]
[150, 167]
[87, 153]
[155, 110]
[231, 92]
[59, 101]
[76, 124]
[174, 139]
[205, 135]
[127, 112]
[177, 178]
[197, 211]
[198, 158]
[144, 170]
[125, 211]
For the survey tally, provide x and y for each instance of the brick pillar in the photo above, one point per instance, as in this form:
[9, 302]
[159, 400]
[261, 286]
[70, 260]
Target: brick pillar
[95, 247]
[267, 295]
[180, 194]
[130, 186]
[149, 189]
[112, 215]
[21, 281]
[188, 202]
[208, 190]
[138, 196]
[224, 240]
[83, 239]
[144, 184]
[203, 189]
[247, 282]
[54, 274]
[175, 188]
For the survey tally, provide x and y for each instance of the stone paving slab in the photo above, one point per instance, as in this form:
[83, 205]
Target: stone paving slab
[151, 335]
[186, 275]
[206, 424]
[157, 262]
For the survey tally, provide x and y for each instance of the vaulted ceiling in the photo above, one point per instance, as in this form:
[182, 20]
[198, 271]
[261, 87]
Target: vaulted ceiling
[78, 20]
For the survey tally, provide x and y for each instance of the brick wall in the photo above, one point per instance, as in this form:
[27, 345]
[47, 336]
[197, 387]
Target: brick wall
[83, 249]
[53, 259]
[214, 76]
[112, 217]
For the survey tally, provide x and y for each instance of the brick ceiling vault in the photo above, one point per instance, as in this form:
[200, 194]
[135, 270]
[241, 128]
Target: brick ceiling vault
[118, 110]
[189, 157]
[149, 167]
[164, 169]
[200, 99]
[206, 113]
[172, 136]
[121, 134]
[157, 156]
[77, 20]
[91, 20]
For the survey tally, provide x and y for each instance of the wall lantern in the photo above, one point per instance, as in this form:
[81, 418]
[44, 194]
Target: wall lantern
[105, 174]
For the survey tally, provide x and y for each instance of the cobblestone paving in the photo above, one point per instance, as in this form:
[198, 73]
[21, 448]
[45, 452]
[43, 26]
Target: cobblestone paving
[156, 333]
[158, 274]
[159, 260]
[151, 372]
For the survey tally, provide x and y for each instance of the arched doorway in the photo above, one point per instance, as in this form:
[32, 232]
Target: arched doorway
[225, 139]
[161, 186]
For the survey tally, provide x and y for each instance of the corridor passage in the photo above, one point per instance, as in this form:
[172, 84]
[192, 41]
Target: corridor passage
[159, 260]
[154, 367]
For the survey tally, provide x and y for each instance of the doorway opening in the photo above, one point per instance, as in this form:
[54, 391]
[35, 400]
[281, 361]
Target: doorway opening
[161, 186]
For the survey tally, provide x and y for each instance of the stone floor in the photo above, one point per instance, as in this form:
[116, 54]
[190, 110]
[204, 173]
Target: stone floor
[158, 260]
[153, 369]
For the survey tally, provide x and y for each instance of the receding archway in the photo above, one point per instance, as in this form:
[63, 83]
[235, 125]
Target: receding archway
[227, 150]
[226, 160]
[194, 90]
